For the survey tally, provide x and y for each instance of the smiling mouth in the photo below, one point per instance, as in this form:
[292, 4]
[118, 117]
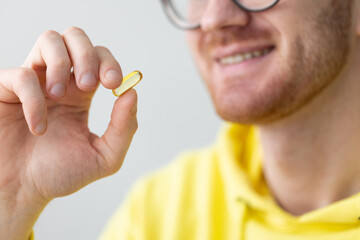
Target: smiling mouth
[243, 57]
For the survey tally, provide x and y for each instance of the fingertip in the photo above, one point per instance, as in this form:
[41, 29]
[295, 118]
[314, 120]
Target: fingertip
[112, 79]
[111, 75]
[40, 128]
[128, 99]
[124, 112]
[58, 90]
[131, 93]
[88, 82]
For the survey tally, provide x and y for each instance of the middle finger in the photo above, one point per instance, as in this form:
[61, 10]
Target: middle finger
[84, 58]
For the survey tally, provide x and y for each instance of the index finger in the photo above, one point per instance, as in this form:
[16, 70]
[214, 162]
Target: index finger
[50, 54]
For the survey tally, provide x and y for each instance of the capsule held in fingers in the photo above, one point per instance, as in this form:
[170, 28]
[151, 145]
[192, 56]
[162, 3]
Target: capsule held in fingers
[128, 82]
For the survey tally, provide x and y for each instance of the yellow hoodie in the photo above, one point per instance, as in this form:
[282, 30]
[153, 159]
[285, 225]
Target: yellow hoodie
[220, 193]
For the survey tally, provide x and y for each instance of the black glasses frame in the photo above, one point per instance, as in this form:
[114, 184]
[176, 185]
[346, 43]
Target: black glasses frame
[174, 18]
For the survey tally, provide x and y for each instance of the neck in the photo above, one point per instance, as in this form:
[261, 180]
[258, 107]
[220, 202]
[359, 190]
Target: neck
[312, 158]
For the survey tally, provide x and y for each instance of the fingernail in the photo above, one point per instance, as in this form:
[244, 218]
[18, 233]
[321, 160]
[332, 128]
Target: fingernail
[88, 79]
[40, 128]
[58, 90]
[113, 76]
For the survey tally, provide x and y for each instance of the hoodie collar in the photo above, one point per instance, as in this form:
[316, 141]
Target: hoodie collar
[240, 161]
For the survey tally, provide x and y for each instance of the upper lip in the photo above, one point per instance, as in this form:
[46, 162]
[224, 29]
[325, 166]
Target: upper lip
[234, 49]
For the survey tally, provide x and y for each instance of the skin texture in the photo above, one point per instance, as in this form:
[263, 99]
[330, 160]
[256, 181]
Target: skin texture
[44, 109]
[303, 96]
[300, 66]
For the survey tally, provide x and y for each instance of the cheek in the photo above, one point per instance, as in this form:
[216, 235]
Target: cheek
[195, 42]
[192, 40]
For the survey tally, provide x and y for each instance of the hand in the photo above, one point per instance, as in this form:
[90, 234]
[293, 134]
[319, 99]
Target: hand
[46, 148]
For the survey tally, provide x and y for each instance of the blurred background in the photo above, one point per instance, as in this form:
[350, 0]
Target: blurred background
[174, 112]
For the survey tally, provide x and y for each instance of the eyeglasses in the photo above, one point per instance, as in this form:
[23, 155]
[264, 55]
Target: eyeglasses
[187, 14]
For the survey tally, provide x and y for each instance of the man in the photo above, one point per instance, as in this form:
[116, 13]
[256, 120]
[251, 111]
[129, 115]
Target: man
[289, 68]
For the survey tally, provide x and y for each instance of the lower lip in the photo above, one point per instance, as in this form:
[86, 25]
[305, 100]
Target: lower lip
[250, 66]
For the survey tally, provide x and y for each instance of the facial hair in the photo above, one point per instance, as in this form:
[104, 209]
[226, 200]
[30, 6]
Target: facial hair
[316, 57]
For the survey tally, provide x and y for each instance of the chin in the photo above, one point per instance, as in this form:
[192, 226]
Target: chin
[241, 115]
[250, 117]
[238, 111]
[256, 108]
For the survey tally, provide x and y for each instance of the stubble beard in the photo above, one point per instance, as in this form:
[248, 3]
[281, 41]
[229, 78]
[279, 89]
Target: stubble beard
[316, 57]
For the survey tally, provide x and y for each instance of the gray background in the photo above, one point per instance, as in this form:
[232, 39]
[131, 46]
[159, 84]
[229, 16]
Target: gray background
[174, 111]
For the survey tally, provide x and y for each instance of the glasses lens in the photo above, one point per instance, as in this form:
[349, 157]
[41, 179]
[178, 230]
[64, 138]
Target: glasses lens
[187, 12]
[256, 5]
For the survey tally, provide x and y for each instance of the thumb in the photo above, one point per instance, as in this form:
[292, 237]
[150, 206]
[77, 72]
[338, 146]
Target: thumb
[113, 145]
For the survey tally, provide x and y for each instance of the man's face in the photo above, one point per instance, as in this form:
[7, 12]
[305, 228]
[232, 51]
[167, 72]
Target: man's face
[294, 51]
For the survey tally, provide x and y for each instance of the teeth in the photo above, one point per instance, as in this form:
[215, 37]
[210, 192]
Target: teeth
[242, 57]
[239, 58]
[257, 53]
[248, 56]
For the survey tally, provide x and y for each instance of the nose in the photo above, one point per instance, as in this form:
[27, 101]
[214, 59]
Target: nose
[223, 13]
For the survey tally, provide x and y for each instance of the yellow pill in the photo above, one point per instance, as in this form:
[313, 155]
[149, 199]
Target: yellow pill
[128, 82]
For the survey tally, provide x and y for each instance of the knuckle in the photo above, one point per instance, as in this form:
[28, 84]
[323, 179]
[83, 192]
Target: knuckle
[50, 35]
[73, 30]
[88, 54]
[23, 75]
[112, 169]
[102, 49]
[108, 165]
[62, 63]
[114, 166]
[26, 81]
[136, 126]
